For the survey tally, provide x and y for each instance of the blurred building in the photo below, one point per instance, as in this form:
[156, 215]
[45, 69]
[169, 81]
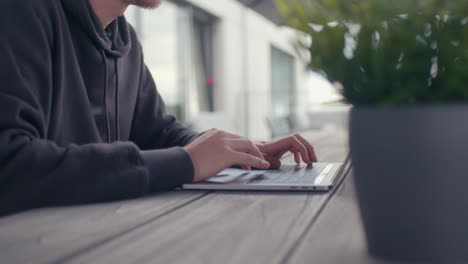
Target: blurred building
[220, 64]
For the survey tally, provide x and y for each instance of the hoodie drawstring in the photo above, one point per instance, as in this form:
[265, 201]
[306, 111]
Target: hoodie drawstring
[106, 87]
[106, 84]
[117, 125]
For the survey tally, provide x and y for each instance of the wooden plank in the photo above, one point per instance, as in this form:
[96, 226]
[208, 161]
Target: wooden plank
[48, 235]
[224, 227]
[338, 235]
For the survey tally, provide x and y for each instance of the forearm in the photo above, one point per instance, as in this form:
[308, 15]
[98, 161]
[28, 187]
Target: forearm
[37, 173]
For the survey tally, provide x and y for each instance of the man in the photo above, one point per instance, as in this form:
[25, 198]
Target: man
[81, 120]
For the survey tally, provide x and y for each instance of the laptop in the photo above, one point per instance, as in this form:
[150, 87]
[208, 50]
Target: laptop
[290, 177]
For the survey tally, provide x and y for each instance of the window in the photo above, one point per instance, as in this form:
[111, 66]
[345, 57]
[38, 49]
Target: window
[177, 41]
[283, 84]
[203, 40]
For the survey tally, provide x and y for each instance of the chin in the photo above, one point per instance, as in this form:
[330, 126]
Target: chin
[144, 3]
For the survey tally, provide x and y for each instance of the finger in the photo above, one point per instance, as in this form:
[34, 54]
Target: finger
[310, 148]
[245, 145]
[298, 146]
[280, 147]
[274, 162]
[275, 148]
[297, 159]
[246, 168]
[244, 159]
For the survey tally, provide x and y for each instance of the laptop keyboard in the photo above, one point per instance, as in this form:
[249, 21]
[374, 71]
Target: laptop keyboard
[293, 174]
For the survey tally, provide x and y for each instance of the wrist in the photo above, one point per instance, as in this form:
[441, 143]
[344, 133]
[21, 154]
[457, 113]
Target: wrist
[195, 166]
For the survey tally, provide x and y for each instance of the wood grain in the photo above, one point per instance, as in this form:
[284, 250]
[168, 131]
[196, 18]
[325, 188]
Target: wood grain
[221, 228]
[224, 227]
[49, 235]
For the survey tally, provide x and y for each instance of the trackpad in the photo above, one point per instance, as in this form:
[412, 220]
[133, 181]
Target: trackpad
[232, 175]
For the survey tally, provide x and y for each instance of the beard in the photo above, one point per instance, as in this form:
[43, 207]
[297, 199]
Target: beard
[149, 4]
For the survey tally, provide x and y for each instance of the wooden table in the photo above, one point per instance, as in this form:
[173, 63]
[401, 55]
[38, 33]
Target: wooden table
[199, 226]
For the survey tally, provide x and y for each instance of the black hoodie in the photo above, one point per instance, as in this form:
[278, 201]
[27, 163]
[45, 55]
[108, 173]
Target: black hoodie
[80, 117]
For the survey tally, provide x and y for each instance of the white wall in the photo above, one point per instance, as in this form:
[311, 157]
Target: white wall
[244, 65]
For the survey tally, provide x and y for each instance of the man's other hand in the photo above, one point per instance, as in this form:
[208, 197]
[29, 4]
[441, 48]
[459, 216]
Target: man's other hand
[216, 150]
[296, 144]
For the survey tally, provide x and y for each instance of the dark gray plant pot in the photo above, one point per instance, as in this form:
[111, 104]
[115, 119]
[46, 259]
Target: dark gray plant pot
[411, 173]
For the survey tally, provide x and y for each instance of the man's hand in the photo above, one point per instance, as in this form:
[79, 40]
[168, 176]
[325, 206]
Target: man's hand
[296, 144]
[216, 150]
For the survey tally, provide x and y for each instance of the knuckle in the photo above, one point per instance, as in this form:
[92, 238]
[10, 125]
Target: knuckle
[244, 160]
[212, 132]
[297, 142]
[218, 132]
[302, 148]
[253, 160]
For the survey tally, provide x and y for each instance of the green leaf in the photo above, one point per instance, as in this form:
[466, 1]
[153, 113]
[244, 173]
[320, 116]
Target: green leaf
[387, 52]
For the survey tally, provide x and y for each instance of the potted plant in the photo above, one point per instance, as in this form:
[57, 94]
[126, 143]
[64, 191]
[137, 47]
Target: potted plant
[404, 68]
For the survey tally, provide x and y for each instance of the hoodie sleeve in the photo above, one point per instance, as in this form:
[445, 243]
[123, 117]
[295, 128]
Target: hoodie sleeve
[34, 171]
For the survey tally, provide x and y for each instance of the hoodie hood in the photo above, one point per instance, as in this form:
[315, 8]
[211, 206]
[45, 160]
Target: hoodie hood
[118, 45]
